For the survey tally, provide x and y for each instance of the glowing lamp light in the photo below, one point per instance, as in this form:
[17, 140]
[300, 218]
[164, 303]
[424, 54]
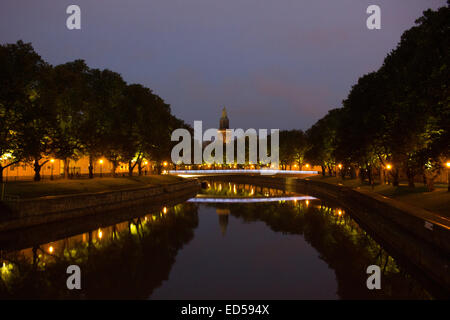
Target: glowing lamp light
[307, 165]
[100, 161]
[164, 210]
[165, 163]
[100, 233]
[145, 163]
[448, 164]
[340, 166]
[389, 167]
[50, 249]
[52, 160]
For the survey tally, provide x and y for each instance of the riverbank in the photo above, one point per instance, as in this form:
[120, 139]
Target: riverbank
[31, 189]
[437, 201]
[22, 213]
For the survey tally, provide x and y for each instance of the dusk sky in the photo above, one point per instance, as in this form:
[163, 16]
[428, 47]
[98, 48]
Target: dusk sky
[272, 63]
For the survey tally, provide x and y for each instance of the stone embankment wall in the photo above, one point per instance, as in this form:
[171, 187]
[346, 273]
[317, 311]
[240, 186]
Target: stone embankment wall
[31, 212]
[412, 234]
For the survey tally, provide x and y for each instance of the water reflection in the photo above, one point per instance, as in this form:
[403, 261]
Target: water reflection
[126, 260]
[341, 243]
[293, 247]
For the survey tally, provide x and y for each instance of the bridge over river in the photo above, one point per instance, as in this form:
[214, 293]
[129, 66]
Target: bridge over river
[264, 172]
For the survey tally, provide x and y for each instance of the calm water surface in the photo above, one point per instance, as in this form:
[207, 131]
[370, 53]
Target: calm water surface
[230, 242]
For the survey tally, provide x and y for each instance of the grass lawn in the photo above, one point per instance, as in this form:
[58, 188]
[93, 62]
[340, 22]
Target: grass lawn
[30, 189]
[436, 201]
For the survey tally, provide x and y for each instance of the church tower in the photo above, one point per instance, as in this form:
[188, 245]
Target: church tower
[224, 125]
[224, 122]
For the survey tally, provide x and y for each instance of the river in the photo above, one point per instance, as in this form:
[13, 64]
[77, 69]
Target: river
[232, 241]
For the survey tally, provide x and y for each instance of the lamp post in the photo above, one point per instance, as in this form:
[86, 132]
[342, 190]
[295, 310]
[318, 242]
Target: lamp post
[448, 175]
[51, 175]
[388, 168]
[101, 167]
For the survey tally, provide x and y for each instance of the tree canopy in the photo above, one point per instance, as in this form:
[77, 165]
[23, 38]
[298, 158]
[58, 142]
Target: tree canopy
[70, 110]
[398, 115]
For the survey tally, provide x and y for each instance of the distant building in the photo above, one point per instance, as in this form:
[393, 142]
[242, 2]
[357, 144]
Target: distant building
[54, 168]
[224, 125]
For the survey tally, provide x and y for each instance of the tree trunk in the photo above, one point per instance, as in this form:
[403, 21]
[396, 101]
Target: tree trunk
[66, 168]
[362, 175]
[140, 168]
[395, 176]
[130, 168]
[410, 175]
[91, 167]
[323, 170]
[370, 175]
[352, 172]
[114, 168]
[2, 168]
[431, 177]
[37, 171]
[342, 172]
[430, 184]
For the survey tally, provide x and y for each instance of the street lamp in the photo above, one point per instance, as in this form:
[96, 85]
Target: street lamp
[388, 167]
[52, 161]
[101, 167]
[448, 175]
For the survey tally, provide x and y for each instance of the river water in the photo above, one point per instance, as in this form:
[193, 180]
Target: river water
[232, 241]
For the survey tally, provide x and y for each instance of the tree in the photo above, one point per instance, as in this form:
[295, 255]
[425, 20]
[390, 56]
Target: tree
[321, 139]
[36, 128]
[398, 114]
[108, 89]
[20, 69]
[68, 91]
[293, 146]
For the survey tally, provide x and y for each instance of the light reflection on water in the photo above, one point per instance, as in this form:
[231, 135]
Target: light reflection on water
[294, 247]
[249, 200]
